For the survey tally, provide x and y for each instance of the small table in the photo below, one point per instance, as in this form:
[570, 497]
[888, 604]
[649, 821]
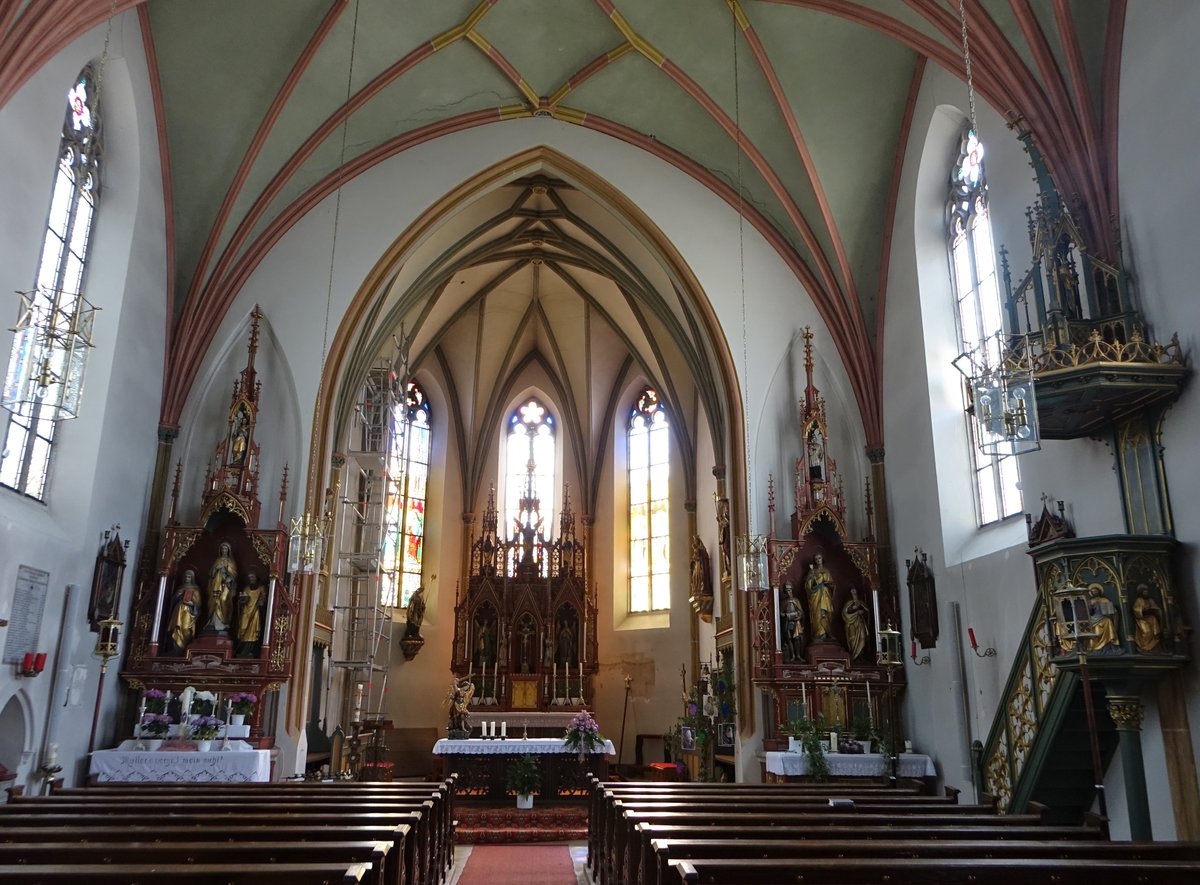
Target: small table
[481, 766]
[239, 764]
[852, 765]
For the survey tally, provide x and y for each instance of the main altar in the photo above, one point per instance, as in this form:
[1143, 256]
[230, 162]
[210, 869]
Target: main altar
[481, 765]
[525, 624]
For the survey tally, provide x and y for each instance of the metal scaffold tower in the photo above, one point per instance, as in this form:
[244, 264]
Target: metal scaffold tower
[364, 600]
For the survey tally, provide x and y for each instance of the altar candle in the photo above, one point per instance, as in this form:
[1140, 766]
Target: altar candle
[493, 728]
[27, 661]
[583, 644]
[503, 729]
[39, 662]
[495, 676]
[875, 599]
[804, 689]
[51, 755]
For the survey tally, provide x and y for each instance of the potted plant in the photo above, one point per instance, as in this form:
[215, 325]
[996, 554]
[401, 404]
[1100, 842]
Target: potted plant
[863, 732]
[807, 737]
[154, 700]
[204, 729]
[154, 729]
[524, 778]
[240, 705]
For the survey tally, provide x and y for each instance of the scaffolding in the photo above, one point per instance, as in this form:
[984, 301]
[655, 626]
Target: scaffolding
[363, 607]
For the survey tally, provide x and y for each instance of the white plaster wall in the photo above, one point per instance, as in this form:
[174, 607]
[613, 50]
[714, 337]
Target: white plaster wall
[103, 459]
[1158, 114]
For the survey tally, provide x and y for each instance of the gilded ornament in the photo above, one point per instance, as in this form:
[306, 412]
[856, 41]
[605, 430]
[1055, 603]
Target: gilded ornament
[1126, 712]
[184, 539]
[264, 546]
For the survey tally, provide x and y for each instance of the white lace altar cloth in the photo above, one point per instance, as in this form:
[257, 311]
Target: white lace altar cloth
[236, 765]
[853, 764]
[510, 747]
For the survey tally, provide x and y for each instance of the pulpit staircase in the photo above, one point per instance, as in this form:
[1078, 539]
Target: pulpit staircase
[1038, 749]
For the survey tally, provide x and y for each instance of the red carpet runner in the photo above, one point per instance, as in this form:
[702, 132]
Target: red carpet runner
[547, 823]
[519, 865]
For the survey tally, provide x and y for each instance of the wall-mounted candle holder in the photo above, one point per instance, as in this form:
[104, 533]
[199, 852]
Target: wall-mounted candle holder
[985, 653]
[32, 664]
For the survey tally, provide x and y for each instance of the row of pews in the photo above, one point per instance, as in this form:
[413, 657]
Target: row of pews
[230, 834]
[820, 834]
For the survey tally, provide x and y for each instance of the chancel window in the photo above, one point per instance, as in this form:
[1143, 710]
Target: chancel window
[649, 442]
[57, 296]
[978, 310]
[529, 471]
[408, 470]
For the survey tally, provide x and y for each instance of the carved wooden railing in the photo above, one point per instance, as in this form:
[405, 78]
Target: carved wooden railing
[1034, 697]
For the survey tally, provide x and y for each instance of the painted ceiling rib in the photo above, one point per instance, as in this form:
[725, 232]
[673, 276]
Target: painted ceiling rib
[587, 71]
[798, 143]
[288, 87]
[1083, 99]
[492, 54]
[1110, 93]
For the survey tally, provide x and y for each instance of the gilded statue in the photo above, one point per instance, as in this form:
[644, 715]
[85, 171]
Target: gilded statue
[854, 619]
[699, 581]
[566, 651]
[459, 697]
[1103, 616]
[222, 587]
[251, 602]
[818, 584]
[416, 614]
[185, 605]
[723, 535]
[792, 626]
[1148, 618]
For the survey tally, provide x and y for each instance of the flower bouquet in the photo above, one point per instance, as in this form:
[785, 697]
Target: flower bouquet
[583, 735]
[154, 700]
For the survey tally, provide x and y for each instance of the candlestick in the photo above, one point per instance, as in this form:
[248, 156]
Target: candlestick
[875, 601]
[503, 729]
[870, 709]
[804, 690]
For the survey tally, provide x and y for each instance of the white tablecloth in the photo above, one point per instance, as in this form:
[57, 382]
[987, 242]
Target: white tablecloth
[510, 747]
[236, 765]
[853, 764]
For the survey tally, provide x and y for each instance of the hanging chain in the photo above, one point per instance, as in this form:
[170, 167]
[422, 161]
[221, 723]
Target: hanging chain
[966, 48]
[737, 122]
[112, 11]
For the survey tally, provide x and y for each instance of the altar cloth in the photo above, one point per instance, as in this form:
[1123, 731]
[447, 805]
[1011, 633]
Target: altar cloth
[236, 765]
[853, 764]
[510, 747]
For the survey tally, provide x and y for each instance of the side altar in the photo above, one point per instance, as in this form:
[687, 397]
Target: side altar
[220, 614]
[816, 628]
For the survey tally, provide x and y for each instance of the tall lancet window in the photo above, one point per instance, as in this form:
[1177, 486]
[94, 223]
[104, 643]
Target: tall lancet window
[649, 441]
[980, 319]
[529, 470]
[29, 431]
[408, 469]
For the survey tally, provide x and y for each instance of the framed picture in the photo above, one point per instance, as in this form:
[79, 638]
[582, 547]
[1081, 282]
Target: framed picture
[687, 738]
[725, 734]
[710, 706]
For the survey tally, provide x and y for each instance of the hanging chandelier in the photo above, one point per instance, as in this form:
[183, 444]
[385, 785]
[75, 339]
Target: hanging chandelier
[998, 370]
[53, 336]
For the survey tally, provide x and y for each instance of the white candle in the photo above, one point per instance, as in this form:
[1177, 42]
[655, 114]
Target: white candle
[583, 644]
[875, 599]
[493, 728]
[804, 689]
[503, 729]
[870, 710]
[51, 755]
[495, 676]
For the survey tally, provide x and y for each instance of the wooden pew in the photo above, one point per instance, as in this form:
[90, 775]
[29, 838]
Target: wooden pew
[441, 792]
[234, 854]
[430, 835]
[939, 871]
[666, 850]
[622, 863]
[416, 849]
[98, 838]
[183, 874]
[602, 794]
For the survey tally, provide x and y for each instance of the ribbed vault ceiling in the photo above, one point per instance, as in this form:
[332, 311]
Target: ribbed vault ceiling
[792, 110]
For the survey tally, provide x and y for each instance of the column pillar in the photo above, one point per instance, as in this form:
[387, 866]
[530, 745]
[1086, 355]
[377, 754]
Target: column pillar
[689, 507]
[1127, 712]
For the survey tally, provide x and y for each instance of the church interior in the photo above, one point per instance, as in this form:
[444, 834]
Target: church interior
[750, 374]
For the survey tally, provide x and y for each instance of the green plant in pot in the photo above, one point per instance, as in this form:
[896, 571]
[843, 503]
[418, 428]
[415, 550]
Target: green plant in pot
[809, 735]
[524, 778]
[863, 731]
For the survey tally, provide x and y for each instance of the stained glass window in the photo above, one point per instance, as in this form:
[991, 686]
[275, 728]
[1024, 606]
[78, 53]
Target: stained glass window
[530, 461]
[649, 443]
[978, 310]
[28, 433]
[408, 472]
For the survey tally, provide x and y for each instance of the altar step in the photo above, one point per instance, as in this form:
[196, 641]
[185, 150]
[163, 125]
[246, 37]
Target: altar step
[479, 824]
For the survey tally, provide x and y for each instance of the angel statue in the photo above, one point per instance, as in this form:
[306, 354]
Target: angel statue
[459, 698]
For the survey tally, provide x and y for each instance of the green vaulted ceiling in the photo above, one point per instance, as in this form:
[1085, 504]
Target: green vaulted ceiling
[254, 95]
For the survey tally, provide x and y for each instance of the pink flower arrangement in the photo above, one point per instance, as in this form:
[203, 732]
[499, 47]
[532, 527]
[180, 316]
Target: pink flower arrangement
[583, 734]
[242, 702]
